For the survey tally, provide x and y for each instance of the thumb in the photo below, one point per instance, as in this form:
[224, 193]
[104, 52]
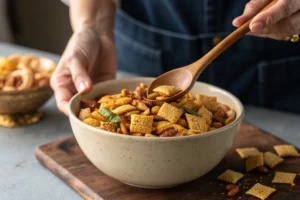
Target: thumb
[80, 76]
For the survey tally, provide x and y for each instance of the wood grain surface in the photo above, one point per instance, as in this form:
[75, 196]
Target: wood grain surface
[66, 160]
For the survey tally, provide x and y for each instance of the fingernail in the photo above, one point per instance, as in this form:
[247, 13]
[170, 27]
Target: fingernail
[256, 27]
[81, 86]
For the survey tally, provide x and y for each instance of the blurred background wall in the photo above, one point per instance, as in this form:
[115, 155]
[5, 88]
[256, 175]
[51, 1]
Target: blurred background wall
[40, 24]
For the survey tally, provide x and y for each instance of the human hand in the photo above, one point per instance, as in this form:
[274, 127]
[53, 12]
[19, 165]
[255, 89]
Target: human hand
[281, 21]
[89, 58]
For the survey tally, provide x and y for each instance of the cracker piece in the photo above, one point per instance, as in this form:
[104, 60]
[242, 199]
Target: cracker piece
[91, 121]
[196, 124]
[206, 114]
[272, 160]
[210, 102]
[231, 176]
[285, 178]
[260, 191]
[141, 123]
[286, 150]
[166, 90]
[123, 109]
[247, 152]
[169, 112]
[254, 161]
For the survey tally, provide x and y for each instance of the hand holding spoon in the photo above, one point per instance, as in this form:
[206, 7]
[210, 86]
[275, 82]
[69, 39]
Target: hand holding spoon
[185, 77]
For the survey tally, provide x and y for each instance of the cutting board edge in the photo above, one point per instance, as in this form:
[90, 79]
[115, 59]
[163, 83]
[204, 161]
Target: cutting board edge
[67, 177]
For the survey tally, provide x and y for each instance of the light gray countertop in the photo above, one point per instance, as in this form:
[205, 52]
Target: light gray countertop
[23, 177]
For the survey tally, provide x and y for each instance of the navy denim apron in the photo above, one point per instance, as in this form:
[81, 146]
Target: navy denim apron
[154, 36]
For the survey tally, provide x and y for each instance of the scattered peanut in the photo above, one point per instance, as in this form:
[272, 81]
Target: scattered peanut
[262, 169]
[230, 186]
[234, 191]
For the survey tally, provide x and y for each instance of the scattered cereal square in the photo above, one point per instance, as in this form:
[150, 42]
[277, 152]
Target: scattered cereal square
[166, 90]
[123, 109]
[247, 152]
[169, 112]
[196, 124]
[272, 160]
[285, 178]
[206, 114]
[231, 176]
[260, 191]
[286, 151]
[254, 161]
[141, 123]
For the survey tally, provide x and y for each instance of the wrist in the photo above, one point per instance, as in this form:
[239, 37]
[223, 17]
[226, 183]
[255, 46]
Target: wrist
[93, 14]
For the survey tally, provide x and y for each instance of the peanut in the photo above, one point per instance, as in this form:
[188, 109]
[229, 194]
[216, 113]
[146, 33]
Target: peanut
[230, 186]
[262, 169]
[229, 120]
[125, 92]
[224, 107]
[230, 113]
[234, 191]
[182, 122]
[217, 124]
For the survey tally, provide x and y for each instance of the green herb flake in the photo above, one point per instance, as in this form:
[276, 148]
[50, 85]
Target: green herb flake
[192, 112]
[109, 115]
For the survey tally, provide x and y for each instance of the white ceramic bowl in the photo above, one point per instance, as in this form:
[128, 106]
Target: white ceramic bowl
[154, 162]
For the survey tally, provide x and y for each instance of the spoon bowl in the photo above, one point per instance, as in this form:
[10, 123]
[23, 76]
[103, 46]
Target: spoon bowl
[180, 78]
[185, 77]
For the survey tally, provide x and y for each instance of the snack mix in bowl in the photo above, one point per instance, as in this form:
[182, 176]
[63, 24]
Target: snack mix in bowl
[130, 114]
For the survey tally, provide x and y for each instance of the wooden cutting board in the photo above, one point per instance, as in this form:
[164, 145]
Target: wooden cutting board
[66, 160]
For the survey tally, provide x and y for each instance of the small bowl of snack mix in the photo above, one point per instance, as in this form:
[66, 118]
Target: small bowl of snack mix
[24, 83]
[154, 146]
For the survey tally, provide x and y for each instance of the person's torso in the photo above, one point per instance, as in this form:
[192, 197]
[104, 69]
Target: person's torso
[155, 36]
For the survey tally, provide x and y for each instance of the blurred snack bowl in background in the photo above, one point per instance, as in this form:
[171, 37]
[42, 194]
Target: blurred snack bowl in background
[24, 83]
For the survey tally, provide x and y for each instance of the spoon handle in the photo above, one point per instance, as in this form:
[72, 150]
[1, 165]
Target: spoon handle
[197, 67]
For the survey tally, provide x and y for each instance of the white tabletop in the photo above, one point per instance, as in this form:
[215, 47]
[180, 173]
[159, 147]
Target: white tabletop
[23, 177]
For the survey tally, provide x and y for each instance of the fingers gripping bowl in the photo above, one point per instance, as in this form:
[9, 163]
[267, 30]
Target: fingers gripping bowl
[153, 162]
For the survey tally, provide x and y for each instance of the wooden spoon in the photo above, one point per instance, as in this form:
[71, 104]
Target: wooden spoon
[185, 77]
